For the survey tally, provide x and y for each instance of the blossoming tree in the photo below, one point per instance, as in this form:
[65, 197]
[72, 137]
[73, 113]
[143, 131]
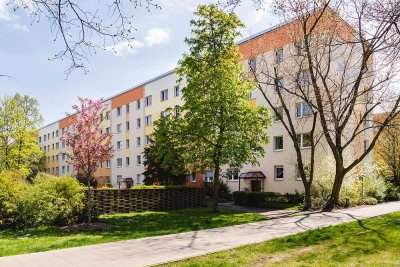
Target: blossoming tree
[87, 144]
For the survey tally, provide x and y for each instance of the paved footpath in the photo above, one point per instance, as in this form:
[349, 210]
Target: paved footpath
[161, 249]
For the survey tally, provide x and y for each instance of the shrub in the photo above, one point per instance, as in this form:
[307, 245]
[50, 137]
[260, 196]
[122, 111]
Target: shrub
[392, 192]
[257, 199]
[12, 186]
[138, 187]
[48, 201]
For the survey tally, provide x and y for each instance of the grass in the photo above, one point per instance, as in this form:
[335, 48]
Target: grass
[125, 226]
[372, 242]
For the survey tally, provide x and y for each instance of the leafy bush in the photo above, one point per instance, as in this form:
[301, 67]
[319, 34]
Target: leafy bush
[48, 201]
[258, 199]
[12, 186]
[375, 186]
[136, 187]
[392, 192]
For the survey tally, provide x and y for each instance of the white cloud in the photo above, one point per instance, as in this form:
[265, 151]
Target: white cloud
[5, 13]
[125, 47]
[157, 36]
[20, 27]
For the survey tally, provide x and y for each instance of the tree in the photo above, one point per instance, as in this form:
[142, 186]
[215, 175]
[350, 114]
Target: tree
[387, 149]
[19, 119]
[221, 126]
[84, 28]
[347, 65]
[87, 144]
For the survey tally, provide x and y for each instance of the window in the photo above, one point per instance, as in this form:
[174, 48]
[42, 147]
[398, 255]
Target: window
[303, 110]
[127, 160]
[108, 130]
[57, 158]
[306, 170]
[127, 143]
[127, 108]
[119, 145]
[62, 131]
[148, 120]
[63, 169]
[177, 112]
[148, 101]
[279, 84]
[100, 180]
[138, 122]
[57, 145]
[164, 113]
[304, 140]
[52, 146]
[127, 126]
[208, 176]
[278, 114]
[232, 175]
[63, 157]
[278, 169]
[278, 143]
[148, 140]
[137, 141]
[52, 158]
[252, 94]
[67, 168]
[177, 90]
[52, 135]
[252, 64]
[57, 170]
[193, 177]
[63, 144]
[107, 115]
[119, 162]
[108, 164]
[304, 78]
[138, 160]
[44, 138]
[138, 179]
[279, 55]
[56, 133]
[108, 181]
[164, 95]
[119, 111]
[40, 139]
[138, 104]
[119, 128]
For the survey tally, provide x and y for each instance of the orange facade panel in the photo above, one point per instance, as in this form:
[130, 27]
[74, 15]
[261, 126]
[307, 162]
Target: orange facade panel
[127, 97]
[67, 121]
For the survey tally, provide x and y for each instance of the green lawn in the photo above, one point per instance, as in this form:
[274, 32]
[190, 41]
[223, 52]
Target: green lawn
[126, 226]
[372, 242]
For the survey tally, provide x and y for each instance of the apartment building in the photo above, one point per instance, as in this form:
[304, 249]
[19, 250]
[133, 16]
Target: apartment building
[132, 113]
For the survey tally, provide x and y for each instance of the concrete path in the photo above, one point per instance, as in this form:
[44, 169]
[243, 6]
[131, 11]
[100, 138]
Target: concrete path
[157, 250]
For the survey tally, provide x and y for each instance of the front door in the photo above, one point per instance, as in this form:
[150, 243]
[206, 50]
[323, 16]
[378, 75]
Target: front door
[255, 185]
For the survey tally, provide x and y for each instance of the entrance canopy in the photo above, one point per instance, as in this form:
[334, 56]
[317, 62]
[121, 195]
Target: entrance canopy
[252, 175]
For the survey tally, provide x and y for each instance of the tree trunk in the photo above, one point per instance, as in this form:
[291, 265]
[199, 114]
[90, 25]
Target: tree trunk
[307, 197]
[89, 202]
[216, 187]
[337, 185]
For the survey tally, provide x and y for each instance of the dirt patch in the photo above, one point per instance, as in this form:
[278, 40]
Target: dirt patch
[86, 227]
[279, 257]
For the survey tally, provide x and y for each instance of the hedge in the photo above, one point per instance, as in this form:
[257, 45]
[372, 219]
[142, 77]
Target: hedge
[261, 199]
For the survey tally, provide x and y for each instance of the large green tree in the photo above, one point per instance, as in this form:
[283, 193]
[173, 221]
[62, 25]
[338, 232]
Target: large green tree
[19, 119]
[164, 160]
[221, 126]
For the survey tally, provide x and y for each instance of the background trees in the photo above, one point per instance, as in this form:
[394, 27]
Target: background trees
[19, 119]
[221, 125]
[87, 145]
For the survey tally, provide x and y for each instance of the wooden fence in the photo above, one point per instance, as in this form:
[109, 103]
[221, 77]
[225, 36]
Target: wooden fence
[135, 200]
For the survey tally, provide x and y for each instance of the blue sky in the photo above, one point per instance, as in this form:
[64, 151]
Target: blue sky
[25, 48]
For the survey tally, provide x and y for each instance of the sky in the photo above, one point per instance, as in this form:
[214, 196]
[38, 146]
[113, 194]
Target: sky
[26, 46]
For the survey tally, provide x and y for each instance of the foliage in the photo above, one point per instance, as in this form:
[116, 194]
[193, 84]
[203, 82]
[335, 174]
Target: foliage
[264, 199]
[392, 192]
[371, 242]
[87, 144]
[19, 119]
[163, 162]
[12, 185]
[123, 227]
[223, 189]
[387, 150]
[221, 126]
[138, 187]
[49, 200]
[375, 187]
